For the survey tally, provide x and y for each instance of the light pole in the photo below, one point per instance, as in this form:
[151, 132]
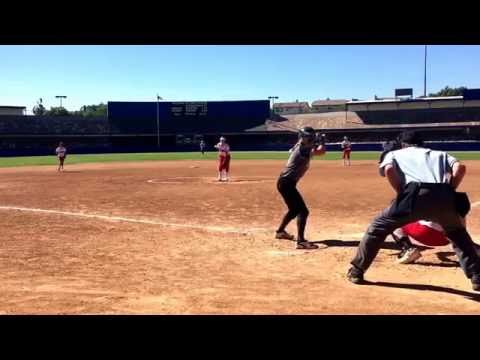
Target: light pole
[158, 120]
[425, 74]
[272, 98]
[61, 97]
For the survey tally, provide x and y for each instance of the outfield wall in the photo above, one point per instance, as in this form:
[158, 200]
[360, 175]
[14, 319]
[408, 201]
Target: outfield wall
[259, 142]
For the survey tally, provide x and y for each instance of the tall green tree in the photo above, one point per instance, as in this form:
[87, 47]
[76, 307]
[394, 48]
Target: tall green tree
[92, 110]
[58, 111]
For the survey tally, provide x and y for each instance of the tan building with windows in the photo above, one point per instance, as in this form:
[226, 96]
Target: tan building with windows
[321, 106]
[297, 107]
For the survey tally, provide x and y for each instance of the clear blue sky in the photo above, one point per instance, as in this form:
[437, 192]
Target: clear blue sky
[94, 74]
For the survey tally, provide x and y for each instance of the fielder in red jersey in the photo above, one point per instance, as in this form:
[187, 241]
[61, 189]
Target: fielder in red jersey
[223, 159]
[347, 149]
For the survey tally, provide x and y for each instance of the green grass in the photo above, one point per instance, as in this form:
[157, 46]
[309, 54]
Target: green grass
[241, 155]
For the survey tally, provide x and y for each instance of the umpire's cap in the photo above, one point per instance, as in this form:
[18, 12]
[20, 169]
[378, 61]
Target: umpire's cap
[411, 138]
[307, 132]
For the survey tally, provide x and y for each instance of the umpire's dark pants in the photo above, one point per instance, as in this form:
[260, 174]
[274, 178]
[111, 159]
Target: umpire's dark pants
[434, 202]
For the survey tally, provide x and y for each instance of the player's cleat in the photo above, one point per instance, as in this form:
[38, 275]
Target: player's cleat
[306, 245]
[355, 275]
[283, 235]
[409, 256]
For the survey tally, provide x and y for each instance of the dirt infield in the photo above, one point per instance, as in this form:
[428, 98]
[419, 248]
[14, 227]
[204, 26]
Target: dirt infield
[165, 238]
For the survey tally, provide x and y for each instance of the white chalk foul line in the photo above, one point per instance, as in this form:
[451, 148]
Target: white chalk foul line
[210, 180]
[475, 204]
[220, 229]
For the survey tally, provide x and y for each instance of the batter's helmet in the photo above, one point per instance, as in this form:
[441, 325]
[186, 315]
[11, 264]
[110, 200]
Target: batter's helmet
[307, 133]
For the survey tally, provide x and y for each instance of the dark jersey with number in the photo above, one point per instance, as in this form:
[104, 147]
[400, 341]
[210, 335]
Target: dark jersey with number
[298, 163]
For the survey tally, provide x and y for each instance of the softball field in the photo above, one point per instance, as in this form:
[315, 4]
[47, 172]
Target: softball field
[163, 237]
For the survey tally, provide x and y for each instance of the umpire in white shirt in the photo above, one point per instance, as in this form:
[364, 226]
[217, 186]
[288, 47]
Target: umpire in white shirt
[425, 181]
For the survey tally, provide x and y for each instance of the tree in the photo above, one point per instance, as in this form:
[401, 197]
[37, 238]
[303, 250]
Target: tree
[92, 110]
[99, 110]
[58, 111]
[39, 109]
[448, 91]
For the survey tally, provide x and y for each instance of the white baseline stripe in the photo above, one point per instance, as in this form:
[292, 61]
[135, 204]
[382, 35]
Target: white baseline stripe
[220, 229]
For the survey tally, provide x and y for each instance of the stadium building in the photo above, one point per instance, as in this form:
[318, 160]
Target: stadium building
[450, 123]
[12, 110]
[328, 105]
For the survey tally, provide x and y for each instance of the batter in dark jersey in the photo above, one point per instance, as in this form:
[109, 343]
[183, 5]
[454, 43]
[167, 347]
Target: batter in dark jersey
[297, 165]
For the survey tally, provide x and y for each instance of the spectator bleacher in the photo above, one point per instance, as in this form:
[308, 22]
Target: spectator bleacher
[51, 125]
[30, 135]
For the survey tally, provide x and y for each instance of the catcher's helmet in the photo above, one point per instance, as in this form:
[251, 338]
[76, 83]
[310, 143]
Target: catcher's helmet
[307, 133]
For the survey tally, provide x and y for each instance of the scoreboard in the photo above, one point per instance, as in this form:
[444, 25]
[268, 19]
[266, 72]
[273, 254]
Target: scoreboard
[186, 117]
[179, 109]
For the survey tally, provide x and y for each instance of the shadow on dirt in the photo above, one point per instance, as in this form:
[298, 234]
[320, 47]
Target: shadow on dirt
[354, 243]
[423, 287]
[442, 256]
[442, 264]
[445, 259]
